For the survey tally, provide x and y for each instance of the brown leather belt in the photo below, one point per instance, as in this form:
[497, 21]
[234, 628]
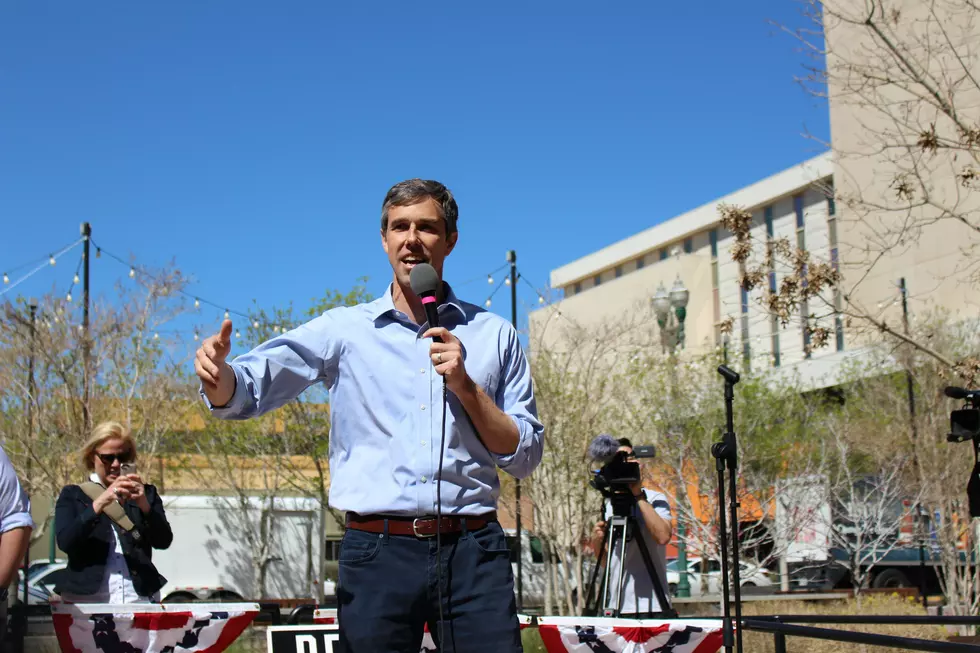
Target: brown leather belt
[420, 527]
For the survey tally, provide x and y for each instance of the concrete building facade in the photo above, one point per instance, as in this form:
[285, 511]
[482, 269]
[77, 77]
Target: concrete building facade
[622, 278]
[873, 232]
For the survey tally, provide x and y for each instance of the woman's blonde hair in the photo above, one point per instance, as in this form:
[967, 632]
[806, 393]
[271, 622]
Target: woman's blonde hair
[100, 435]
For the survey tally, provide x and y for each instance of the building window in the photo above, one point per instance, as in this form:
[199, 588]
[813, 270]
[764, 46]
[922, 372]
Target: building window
[688, 245]
[774, 321]
[774, 328]
[835, 262]
[663, 253]
[578, 288]
[619, 271]
[715, 291]
[801, 243]
[596, 280]
[639, 263]
[746, 344]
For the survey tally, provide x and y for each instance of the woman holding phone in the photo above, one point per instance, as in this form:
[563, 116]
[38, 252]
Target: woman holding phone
[109, 525]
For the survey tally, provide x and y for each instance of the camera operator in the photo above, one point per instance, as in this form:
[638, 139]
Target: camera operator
[652, 514]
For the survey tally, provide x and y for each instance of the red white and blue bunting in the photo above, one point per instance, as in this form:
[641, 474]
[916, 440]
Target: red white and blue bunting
[591, 635]
[150, 627]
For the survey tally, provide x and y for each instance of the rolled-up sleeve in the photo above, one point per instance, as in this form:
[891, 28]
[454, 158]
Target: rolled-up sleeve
[279, 370]
[659, 502]
[15, 506]
[515, 396]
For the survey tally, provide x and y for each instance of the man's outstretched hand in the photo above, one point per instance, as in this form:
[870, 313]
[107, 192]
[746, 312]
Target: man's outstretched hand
[216, 375]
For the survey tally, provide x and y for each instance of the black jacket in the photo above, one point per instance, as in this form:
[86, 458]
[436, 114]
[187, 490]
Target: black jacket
[87, 539]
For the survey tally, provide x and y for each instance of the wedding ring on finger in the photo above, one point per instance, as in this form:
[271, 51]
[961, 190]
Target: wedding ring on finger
[439, 357]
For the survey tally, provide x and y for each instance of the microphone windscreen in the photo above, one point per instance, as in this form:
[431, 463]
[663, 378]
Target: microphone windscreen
[956, 393]
[603, 448]
[424, 279]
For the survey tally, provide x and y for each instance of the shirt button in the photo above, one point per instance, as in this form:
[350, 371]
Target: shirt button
[422, 406]
[423, 443]
[422, 371]
[423, 479]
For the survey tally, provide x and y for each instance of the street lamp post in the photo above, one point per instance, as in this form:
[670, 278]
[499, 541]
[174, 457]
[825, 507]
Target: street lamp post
[671, 323]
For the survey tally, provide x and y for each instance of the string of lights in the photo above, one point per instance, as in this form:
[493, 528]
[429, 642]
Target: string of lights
[50, 260]
[489, 277]
[495, 290]
[36, 261]
[198, 299]
[74, 280]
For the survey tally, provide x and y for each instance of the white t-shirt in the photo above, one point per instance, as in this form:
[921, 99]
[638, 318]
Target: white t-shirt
[639, 595]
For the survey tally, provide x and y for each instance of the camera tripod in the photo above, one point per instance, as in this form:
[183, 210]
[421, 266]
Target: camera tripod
[620, 530]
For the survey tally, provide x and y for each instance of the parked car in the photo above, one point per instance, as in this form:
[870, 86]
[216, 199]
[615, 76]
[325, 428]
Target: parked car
[751, 575]
[40, 587]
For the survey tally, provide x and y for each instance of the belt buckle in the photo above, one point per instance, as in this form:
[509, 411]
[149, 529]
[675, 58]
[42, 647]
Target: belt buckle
[415, 528]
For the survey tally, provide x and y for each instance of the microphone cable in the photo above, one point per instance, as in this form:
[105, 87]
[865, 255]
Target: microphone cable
[442, 449]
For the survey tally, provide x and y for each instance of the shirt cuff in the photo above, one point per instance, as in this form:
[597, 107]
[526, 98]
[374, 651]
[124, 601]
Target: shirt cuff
[523, 433]
[237, 402]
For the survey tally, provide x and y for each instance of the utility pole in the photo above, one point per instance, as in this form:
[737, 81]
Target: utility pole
[30, 420]
[512, 259]
[86, 340]
[908, 371]
[910, 385]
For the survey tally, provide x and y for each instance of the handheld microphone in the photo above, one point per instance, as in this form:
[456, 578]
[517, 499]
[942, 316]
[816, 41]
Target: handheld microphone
[603, 448]
[425, 283]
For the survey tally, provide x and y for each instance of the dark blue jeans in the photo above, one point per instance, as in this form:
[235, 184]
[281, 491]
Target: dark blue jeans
[388, 591]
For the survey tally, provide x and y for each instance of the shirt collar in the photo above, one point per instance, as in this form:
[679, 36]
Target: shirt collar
[385, 304]
[95, 479]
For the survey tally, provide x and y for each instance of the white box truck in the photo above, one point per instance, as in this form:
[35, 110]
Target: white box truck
[219, 541]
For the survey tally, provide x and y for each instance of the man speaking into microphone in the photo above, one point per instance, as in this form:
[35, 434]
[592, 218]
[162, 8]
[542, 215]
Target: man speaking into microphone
[384, 365]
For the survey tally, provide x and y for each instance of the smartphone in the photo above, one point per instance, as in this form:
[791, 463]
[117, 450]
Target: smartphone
[125, 469]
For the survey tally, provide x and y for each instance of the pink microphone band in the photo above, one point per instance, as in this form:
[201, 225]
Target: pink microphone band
[429, 299]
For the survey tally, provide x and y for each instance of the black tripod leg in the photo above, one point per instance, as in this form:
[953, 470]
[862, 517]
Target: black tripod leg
[658, 587]
[736, 572]
[595, 575]
[728, 640]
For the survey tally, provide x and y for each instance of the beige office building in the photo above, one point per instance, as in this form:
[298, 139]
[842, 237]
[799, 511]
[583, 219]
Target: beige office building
[867, 224]
[619, 281]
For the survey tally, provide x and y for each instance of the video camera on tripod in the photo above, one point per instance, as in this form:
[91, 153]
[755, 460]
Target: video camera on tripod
[617, 472]
[614, 480]
[964, 424]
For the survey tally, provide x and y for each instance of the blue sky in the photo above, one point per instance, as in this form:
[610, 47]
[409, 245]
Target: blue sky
[253, 142]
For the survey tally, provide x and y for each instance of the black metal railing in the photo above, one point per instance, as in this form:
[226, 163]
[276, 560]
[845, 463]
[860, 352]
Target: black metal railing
[782, 626]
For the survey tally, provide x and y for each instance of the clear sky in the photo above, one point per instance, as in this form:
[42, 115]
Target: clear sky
[253, 142]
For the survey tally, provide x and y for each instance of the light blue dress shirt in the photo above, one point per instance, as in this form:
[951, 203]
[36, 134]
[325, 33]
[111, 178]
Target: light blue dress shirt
[386, 404]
